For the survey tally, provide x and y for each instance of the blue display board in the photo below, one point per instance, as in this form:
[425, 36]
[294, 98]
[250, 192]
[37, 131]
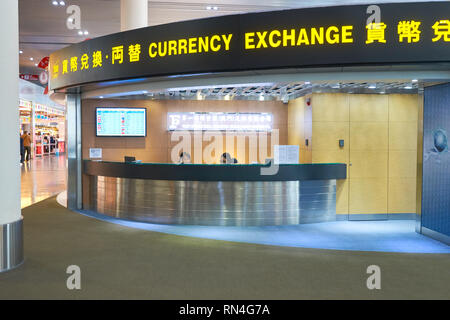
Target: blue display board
[121, 122]
[436, 159]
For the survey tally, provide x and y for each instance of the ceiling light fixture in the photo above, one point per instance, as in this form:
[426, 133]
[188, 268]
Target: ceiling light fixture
[20, 51]
[408, 87]
[55, 3]
[31, 59]
[62, 3]
[414, 80]
[86, 33]
[212, 8]
[80, 33]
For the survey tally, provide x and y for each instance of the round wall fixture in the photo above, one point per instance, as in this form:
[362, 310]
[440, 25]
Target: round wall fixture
[440, 140]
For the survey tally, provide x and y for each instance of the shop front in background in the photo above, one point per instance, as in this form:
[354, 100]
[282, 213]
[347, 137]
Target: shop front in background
[46, 125]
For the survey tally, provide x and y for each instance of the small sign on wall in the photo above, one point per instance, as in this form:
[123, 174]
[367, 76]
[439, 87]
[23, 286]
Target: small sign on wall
[95, 153]
[288, 154]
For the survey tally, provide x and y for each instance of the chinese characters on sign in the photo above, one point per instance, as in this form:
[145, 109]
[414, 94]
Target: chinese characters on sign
[219, 121]
[296, 38]
[408, 31]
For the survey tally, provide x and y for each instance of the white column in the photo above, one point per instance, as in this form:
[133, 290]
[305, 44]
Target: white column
[133, 14]
[11, 248]
[9, 109]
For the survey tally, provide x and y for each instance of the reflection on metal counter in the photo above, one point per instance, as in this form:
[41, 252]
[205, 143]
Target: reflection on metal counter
[228, 203]
[131, 192]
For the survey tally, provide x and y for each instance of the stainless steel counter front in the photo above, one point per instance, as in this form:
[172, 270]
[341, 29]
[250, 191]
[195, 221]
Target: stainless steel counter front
[218, 203]
[214, 203]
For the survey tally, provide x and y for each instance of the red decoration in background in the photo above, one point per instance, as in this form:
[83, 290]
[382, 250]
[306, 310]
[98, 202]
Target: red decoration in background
[46, 90]
[44, 63]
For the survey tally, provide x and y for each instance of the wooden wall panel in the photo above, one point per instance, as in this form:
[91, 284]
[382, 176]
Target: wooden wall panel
[403, 125]
[157, 146]
[300, 127]
[380, 133]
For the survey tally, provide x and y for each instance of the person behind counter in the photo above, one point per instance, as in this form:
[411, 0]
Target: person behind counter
[227, 159]
[184, 158]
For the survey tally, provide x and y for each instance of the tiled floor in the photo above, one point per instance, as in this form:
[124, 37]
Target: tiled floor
[42, 178]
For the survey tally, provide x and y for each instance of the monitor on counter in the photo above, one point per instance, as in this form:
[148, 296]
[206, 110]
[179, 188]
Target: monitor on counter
[121, 122]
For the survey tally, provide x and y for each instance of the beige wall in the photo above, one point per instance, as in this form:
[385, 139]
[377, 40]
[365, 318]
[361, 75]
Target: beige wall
[157, 146]
[300, 127]
[380, 133]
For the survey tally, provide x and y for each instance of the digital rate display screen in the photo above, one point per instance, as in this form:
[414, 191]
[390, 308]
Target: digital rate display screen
[121, 122]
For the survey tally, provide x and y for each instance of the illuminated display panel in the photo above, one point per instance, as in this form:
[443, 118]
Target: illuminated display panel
[307, 37]
[121, 122]
[219, 121]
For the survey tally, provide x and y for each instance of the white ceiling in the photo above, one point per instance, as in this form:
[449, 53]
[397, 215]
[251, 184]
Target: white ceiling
[43, 26]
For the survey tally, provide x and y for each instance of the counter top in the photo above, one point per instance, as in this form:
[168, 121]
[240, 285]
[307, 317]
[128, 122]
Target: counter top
[214, 172]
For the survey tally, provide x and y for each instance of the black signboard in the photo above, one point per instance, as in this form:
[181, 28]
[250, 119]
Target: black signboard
[326, 36]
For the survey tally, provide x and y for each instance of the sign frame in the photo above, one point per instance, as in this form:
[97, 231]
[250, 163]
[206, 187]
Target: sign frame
[259, 41]
[120, 136]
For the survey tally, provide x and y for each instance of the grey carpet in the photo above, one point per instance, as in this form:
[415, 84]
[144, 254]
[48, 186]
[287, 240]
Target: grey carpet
[122, 263]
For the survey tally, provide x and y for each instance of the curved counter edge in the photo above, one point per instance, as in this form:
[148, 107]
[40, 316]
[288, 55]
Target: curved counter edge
[197, 172]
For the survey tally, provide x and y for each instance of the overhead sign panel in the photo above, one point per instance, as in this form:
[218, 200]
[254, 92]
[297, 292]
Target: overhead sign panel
[325, 36]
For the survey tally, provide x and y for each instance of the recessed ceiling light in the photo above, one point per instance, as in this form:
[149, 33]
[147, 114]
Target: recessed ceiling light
[36, 64]
[415, 80]
[80, 33]
[20, 51]
[101, 97]
[55, 3]
[62, 3]
[70, 19]
[86, 33]
[307, 82]
[31, 59]
[372, 86]
[408, 87]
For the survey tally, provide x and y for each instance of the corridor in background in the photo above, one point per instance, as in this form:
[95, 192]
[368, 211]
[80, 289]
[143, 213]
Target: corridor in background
[42, 178]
